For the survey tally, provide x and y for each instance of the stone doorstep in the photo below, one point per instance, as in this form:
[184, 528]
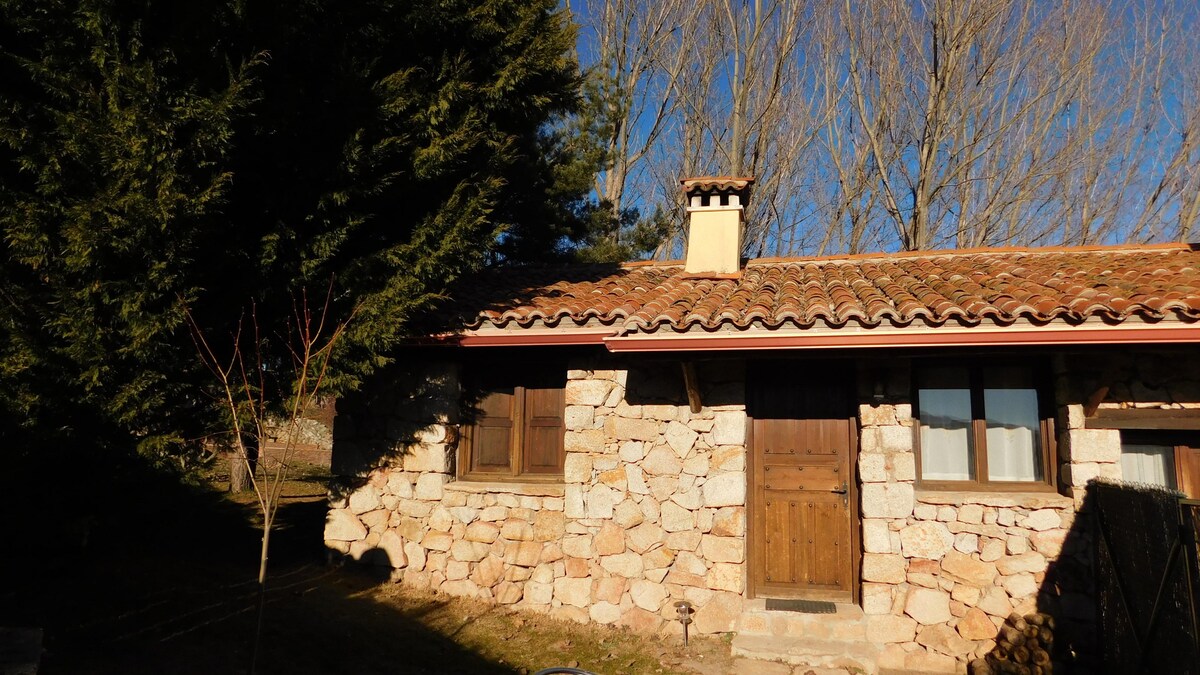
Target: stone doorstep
[847, 623]
[837, 640]
[799, 651]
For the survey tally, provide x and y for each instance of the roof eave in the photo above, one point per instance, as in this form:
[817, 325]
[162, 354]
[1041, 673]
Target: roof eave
[1172, 333]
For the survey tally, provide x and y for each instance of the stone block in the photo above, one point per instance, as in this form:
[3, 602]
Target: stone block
[877, 415]
[726, 489]
[903, 466]
[729, 428]
[1048, 543]
[468, 551]
[610, 540]
[517, 530]
[877, 598]
[364, 499]
[573, 592]
[577, 468]
[872, 468]
[696, 465]
[599, 501]
[643, 537]
[341, 525]
[429, 486]
[884, 568]
[966, 542]
[1093, 445]
[944, 640]
[1020, 585]
[578, 417]
[966, 569]
[604, 612]
[463, 588]
[437, 541]
[995, 602]
[729, 521]
[887, 500]
[725, 577]
[587, 392]
[719, 615]
[415, 554]
[1026, 562]
[928, 606]
[896, 439]
[971, 514]
[578, 546]
[646, 595]
[626, 429]
[1041, 520]
[975, 625]
[681, 438]
[627, 564]
[926, 539]
[435, 457]
[525, 553]
[588, 441]
[661, 461]
[675, 518]
[392, 547]
[723, 549]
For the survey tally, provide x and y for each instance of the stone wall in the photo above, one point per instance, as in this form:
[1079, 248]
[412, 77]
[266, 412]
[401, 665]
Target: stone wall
[651, 509]
[942, 570]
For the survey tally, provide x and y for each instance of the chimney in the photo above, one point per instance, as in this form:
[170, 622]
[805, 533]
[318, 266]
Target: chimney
[715, 223]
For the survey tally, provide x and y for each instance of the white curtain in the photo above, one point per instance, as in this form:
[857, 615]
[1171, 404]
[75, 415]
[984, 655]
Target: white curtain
[1014, 451]
[945, 425]
[1153, 464]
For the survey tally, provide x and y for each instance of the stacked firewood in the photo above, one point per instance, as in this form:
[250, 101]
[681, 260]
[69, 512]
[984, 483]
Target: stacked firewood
[1025, 646]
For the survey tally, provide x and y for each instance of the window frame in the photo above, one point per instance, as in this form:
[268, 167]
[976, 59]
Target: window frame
[978, 431]
[519, 376]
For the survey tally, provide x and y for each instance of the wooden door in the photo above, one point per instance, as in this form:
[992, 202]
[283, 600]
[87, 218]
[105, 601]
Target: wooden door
[802, 439]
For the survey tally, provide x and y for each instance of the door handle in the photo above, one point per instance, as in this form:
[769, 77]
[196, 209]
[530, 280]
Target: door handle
[844, 491]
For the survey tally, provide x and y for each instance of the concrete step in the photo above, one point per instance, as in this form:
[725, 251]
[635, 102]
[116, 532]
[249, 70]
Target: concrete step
[854, 656]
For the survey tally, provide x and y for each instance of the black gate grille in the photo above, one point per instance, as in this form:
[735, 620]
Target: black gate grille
[1146, 579]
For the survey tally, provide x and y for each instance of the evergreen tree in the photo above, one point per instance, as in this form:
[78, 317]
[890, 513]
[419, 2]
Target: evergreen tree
[157, 157]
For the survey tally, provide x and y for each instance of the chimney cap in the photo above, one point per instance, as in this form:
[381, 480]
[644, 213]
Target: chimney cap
[721, 183]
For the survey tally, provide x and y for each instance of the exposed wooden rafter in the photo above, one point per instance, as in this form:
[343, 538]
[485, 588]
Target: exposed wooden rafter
[692, 383]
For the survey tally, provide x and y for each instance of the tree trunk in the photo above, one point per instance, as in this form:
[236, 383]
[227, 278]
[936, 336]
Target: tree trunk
[241, 468]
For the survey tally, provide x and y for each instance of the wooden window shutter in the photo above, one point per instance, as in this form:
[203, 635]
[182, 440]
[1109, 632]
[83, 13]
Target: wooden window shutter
[542, 450]
[492, 440]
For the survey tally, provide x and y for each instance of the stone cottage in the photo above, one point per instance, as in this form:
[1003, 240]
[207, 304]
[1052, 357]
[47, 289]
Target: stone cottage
[902, 436]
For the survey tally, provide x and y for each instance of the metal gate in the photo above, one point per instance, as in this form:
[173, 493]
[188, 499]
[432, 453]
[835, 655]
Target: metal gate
[1146, 579]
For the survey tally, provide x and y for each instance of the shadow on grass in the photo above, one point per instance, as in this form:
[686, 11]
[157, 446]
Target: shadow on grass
[163, 579]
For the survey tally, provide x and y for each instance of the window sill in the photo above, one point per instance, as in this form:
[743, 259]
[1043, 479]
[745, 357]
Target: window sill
[1028, 500]
[504, 487]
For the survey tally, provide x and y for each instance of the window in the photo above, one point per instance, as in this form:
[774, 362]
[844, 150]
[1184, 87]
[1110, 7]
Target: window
[517, 432]
[1170, 459]
[1148, 463]
[982, 425]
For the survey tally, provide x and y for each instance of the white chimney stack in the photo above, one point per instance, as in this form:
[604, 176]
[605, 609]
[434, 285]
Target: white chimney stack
[716, 216]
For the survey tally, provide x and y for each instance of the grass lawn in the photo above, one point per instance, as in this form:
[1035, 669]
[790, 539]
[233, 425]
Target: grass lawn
[166, 584]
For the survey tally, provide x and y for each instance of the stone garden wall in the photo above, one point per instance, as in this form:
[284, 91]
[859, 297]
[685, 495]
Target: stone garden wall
[651, 508]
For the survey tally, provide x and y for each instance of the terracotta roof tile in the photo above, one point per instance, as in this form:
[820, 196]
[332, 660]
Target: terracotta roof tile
[966, 287]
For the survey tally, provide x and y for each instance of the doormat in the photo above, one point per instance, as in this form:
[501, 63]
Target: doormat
[804, 606]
